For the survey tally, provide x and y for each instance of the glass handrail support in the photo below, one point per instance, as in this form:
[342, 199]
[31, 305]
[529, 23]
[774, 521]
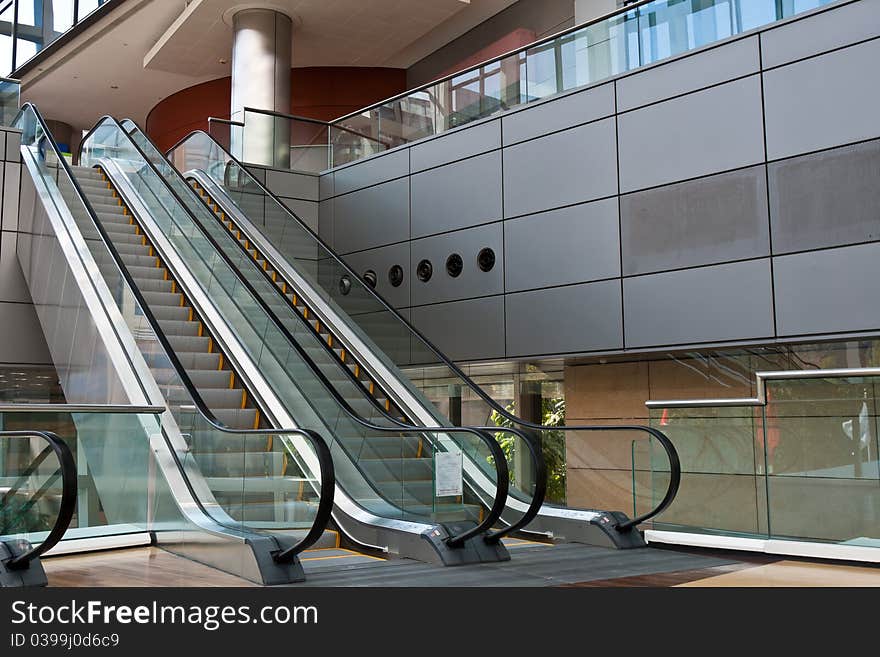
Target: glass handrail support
[398, 356]
[266, 556]
[796, 462]
[376, 472]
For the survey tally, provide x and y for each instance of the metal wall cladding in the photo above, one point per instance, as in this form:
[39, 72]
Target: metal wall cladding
[564, 168]
[472, 281]
[702, 305]
[565, 319]
[826, 199]
[827, 291]
[822, 102]
[559, 114]
[706, 132]
[571, 245]
[372, 217]
[380, 261]
[456, 145]
[459, 195]
[644, 211]
[708, 220]
[464, 330]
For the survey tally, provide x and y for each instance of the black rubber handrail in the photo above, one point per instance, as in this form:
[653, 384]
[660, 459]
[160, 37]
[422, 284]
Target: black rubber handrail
[322, 451]
[500, 462]
[536, 455]
[67, 465]
[668, 447]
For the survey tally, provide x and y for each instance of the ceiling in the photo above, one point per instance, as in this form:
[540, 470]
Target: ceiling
[143, 51]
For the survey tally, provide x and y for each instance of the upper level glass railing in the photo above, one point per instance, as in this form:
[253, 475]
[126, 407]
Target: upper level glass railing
[631, 37]
[627, 39]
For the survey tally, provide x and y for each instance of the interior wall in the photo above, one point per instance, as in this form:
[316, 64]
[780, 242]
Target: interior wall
[320, 93]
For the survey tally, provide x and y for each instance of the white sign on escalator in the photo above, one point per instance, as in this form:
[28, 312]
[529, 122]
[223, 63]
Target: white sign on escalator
[447, 473]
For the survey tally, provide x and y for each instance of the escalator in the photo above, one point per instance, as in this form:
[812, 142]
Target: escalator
[379, 351]
[226, 486]
[398, 458]
[210, 319]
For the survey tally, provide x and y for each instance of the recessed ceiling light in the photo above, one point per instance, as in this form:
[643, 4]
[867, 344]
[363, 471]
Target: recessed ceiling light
[222, 60]
[114, 86]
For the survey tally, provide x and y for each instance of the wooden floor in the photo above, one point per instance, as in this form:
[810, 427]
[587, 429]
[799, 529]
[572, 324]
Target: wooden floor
[148, 566]
[794, 573]
[153, 567]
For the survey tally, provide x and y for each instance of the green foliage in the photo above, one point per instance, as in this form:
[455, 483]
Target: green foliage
[553, 443]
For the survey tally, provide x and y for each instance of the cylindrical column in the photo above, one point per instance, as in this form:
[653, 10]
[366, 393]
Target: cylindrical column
[261, 61]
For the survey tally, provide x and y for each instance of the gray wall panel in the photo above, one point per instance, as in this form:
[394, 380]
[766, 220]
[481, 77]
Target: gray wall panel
[13, 145]
[464, 330]
[458, 195]
[571, 245]
[11, 180]
[826, 101]
[708, 304]
[380, 261]
[305, 210]
[12, 284]
[695, 135]
[456, 145]
[372, 217]
[21, 336]
[821, 32]
[292, 185]
[325, 221]
[826, 199]
[565, 319]
[325, 186]
[559, 114]
[700, 222]
[688, 74]
[827, 291]
[565, 168]
[472, 282]
[371, 171]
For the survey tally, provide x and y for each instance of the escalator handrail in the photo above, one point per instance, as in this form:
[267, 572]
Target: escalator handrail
[536, 455]
[322, 451]
[502, 482]
[68, 495]
[668, 447]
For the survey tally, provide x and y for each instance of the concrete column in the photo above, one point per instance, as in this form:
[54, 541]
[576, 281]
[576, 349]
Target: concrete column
[261, 61]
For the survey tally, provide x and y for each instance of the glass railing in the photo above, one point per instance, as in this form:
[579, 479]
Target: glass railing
[388, 471]
[10, 100]
[627, 39]
[415, 363]
[114, 465]
[798, 462]
[213, 460]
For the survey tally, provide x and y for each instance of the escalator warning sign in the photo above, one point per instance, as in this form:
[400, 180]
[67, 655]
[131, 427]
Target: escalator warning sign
[448, 474]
